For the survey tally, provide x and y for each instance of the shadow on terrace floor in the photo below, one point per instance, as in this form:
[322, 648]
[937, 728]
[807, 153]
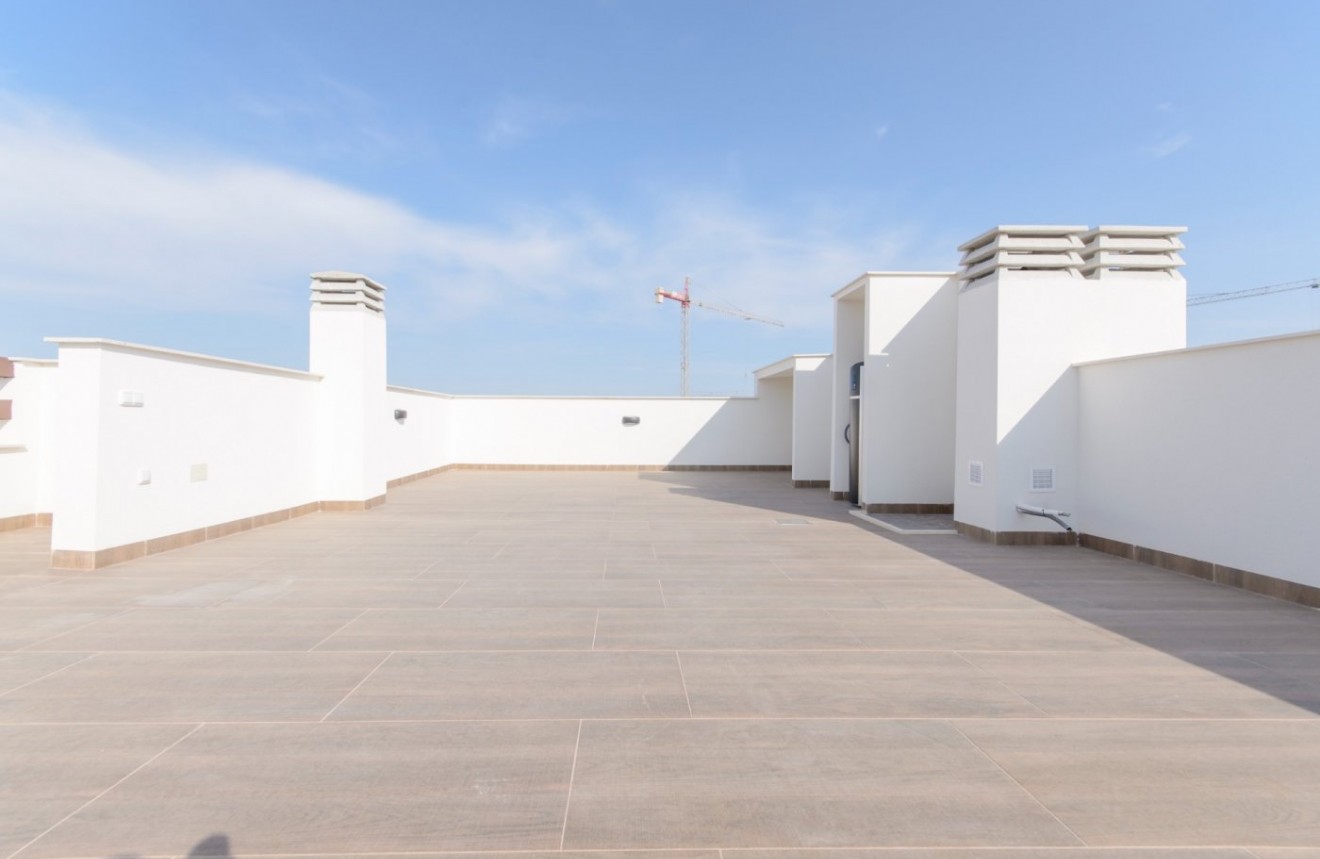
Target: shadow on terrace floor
[1262, 643]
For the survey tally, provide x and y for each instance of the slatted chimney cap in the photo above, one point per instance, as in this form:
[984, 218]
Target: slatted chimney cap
[346, 277]
[1022, 230]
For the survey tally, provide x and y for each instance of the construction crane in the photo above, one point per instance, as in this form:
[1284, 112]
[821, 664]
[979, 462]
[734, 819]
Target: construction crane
[1212, 297]
[686, 301]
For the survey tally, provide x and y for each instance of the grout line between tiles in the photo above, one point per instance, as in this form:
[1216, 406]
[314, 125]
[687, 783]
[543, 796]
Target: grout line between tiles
[73, 630]
[1032, 704]
[664, 603]
[572, 773]
[339, 630]
[595, 629]
[1081, 841]
[456, 590]
[134, 772]
[426, 570]
[356, 687]
[48, 674]
[683, 680]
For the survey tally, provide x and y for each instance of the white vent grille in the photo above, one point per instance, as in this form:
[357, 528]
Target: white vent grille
[975, 473]
[1042, 479]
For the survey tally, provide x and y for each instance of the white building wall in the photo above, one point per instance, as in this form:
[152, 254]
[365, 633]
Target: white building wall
[590, 430]
[975, 433]
[909, 388]
[220, 440]
[813, 400]
[849, 348]
[25, 478]
[1208, 453]
[1054, 296]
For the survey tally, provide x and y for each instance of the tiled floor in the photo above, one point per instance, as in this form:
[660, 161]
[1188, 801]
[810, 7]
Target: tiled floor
[603, 665]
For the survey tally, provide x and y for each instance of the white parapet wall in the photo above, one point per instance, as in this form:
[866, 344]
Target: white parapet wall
[25, 480]
[419, 440]
[1207, 453]
[596, 431]
[153, 443]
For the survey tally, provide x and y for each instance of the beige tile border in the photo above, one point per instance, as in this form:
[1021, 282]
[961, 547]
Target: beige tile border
[67, 559]
[409, 478]
[1258, 583]
[477, 466]
[1016, 538]
[811, 484]
[909, 508]
[26, 520]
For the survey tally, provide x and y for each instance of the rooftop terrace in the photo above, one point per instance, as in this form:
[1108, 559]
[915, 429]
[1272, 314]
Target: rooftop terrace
[694, 662]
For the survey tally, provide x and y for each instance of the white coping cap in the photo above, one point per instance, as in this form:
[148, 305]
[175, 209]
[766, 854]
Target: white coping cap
[1022, 230]
[1132, 230]
[346, 277]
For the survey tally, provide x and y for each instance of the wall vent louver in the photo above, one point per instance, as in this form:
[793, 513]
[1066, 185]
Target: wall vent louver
[1042, 479]
[975, 473]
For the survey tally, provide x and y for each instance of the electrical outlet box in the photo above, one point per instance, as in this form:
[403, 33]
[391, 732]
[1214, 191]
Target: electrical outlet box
[131, 399]
[198, 472]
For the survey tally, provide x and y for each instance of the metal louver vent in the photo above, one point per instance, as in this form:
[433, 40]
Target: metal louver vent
[1042, 479]
[975, 473]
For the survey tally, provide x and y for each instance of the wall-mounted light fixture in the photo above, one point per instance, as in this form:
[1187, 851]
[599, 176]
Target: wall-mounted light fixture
[400, 415]
[631, 420]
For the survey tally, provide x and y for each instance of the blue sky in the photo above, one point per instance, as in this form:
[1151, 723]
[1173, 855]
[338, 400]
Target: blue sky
[524, 175]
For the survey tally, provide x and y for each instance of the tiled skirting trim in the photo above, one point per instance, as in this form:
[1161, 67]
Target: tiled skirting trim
[811, 484]
[839, 496]
[1248, 581]
[409, 478]
[27, 520]
[1017, 538]
[909, 508]
[474, 466]
[66, 559]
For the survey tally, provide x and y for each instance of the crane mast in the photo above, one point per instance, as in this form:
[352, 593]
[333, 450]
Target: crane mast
[685, 303]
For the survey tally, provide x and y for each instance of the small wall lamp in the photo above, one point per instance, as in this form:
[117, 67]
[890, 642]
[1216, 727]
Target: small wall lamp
[400, 414]
[631, 420]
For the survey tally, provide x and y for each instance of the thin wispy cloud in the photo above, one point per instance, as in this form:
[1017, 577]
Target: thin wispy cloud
[515, 120]
[88, 220]
[1166, 146]
[881, 131]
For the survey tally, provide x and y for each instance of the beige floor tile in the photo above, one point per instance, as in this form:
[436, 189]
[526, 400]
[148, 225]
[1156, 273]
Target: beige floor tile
[147, 592]
[337, 788]
[19, 669]
[191, 687]
[1176, 783]
[467, 629]
[773, 594]
[48, 771]
[334, 593]
[569, 685]
[1002, 853]
[859, 684]
[23, 627]
[773, 783]
[720, 629]
[1281, 628]
[1150, 685]
[547, 593]
[972, 629]
[205, 629]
